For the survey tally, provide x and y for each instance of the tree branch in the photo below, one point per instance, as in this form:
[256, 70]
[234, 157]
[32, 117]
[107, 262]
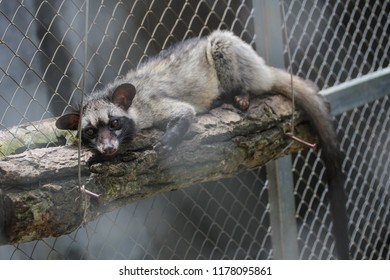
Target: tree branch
[39, 193]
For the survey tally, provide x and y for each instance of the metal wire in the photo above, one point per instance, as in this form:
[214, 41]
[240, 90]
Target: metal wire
[47, 63]
[332, 42]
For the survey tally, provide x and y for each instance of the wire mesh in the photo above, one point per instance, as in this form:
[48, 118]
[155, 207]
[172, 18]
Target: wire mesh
[335, 41]
[41, 74]
[43, 63]
[208, 221]
[332, 42]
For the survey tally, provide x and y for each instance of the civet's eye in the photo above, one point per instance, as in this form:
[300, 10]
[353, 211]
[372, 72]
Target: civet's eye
[115, 124]
[90, 132]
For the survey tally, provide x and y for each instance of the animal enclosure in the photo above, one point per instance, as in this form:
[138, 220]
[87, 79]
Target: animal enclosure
[53, 52]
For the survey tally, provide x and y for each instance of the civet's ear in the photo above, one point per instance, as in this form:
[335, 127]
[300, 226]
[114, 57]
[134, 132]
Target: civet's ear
[123, 96]
[68, 121]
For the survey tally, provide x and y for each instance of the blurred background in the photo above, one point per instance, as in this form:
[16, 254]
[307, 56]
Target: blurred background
[44, 69]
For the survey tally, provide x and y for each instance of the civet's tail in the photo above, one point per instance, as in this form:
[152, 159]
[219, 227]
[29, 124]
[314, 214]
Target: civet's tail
[307, 98]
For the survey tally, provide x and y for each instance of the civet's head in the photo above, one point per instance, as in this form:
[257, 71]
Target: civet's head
[105, 124]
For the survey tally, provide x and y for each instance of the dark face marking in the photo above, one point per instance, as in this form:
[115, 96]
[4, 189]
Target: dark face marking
[109, 138]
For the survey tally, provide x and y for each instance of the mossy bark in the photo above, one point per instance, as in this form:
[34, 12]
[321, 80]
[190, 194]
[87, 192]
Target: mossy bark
[39, 188]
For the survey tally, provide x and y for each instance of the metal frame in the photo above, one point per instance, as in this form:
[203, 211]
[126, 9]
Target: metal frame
[282, 206]
[294, 235]
[359, 91]
[342, 98]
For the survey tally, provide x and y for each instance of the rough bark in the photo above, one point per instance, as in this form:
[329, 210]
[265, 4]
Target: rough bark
[39, 193]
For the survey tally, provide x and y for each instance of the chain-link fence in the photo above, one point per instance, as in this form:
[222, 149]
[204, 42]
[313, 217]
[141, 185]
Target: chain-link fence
[332, 42]
[45, 68]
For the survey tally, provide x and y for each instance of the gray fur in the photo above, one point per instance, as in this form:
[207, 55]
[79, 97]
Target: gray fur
[186, 80]
[189, 77]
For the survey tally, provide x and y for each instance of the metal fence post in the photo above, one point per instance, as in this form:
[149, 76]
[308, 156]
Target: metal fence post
[269, 45]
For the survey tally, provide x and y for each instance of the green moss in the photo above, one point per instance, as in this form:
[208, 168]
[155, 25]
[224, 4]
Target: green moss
[23, 140]
[269, 113]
